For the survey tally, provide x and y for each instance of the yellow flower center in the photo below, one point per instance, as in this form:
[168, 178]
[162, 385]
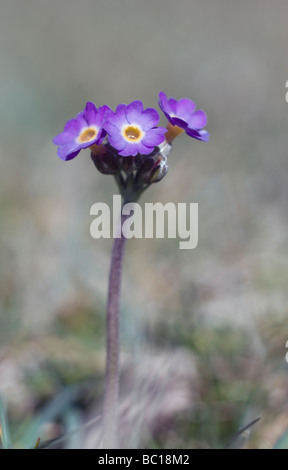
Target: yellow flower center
[87, 135]
[132, 133]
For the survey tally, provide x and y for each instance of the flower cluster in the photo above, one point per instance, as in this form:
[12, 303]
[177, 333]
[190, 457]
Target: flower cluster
[129, 140]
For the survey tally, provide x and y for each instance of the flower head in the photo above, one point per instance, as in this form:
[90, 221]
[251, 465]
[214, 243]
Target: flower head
[132, 130]
[182, 114]
[85, 130]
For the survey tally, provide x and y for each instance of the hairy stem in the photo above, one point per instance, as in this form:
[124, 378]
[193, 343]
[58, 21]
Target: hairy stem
[113, 344]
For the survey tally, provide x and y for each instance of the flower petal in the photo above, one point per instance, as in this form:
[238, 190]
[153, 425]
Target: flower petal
[133, 111]
[62, 138]
[74, 126]
[185, 108]
[117, 141]
[176, 121]
[111, 128]
[119, 117]
[165, 107]
[198, 120]
[149, 118]
[173, 105]
[68, 151]
[154, 137]
[204, 135]
[70, 156]
[144, 150]
[101, 135]
[200, 134]
[130, 150]
[103, 113]
[90, 113]
[163, 102]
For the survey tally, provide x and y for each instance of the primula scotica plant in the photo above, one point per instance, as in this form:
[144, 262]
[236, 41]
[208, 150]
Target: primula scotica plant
[128, 144]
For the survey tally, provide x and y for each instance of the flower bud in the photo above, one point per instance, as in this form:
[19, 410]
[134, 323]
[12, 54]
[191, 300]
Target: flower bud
[106, 163]
[159, 171]
[152, 170]
[127, 164]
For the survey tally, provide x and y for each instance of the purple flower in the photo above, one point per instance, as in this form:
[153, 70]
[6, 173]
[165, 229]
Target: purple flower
[182, 114]
[82, 132]
[132, 130]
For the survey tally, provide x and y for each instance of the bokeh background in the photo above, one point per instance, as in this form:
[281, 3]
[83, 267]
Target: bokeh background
[203, 331]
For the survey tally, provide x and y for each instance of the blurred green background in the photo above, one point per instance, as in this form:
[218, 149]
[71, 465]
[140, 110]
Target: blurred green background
[204, 330]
